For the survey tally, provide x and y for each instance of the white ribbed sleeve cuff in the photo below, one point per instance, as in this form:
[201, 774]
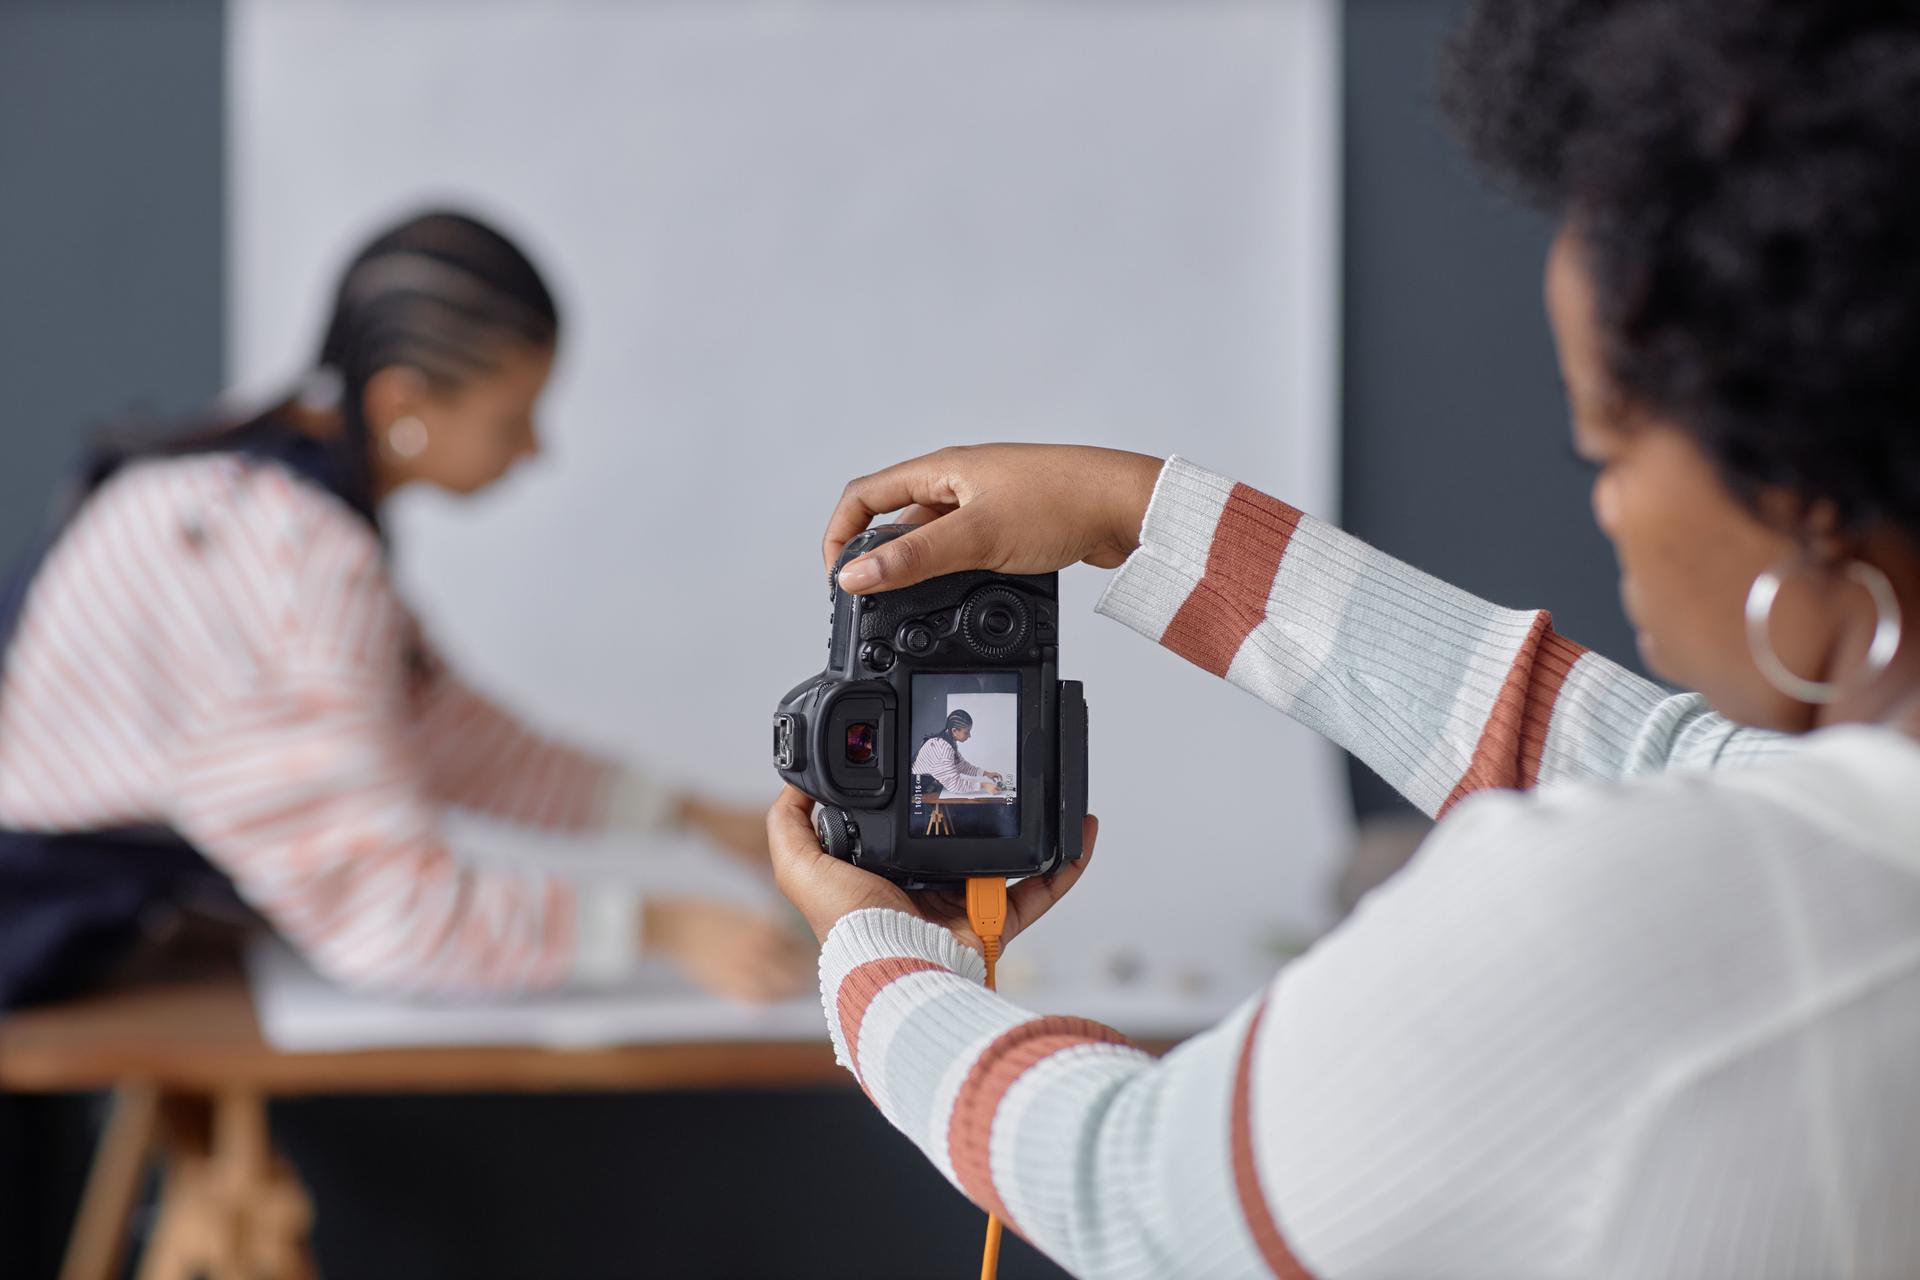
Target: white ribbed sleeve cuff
[1175, 539]
[639, 804]
[880, 933]
[606, 934]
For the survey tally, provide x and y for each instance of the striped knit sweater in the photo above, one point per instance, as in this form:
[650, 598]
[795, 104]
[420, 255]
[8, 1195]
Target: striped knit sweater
[1632, 1011]
[217, 647]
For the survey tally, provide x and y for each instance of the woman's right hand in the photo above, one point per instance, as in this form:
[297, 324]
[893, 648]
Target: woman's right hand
[1012, 508]
[726, 949]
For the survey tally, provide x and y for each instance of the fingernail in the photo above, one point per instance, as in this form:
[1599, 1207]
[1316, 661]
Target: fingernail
[862, 575]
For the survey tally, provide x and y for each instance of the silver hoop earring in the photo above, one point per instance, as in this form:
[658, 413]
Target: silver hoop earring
[1886, 635]
[407, 437]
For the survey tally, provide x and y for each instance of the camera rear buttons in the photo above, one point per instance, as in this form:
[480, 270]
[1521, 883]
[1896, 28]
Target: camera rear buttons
[916, 638]
[877, 655]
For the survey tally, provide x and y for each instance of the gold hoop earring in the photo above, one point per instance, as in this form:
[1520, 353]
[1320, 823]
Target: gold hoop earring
[407, 437]
[1886, 635]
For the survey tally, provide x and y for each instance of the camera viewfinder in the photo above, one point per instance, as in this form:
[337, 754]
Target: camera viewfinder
[860, 742]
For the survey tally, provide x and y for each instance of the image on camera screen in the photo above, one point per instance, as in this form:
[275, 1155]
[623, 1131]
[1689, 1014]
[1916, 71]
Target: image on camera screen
[966, 755]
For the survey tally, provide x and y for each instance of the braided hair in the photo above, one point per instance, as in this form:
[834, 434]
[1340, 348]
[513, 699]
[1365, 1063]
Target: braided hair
[441, 293]
[438, 293]
[956, 719]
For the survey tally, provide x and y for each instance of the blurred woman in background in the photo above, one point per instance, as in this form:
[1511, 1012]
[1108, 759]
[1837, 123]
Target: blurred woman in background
[940, 767]
[207, 676]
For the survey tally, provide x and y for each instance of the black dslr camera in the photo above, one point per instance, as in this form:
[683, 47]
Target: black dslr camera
[940, 742]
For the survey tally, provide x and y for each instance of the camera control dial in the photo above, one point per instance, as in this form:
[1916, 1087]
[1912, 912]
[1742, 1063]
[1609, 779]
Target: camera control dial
[995, 622]
[839, 834]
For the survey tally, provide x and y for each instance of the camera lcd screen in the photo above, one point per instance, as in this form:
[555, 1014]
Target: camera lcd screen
[966, 755]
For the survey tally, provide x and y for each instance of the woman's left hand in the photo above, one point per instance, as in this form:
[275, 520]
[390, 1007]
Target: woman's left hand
[825, 888]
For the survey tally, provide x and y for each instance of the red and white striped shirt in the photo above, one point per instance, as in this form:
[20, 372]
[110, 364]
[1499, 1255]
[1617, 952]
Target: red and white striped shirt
[1647, 1003]
[215, 646]
[940, 759]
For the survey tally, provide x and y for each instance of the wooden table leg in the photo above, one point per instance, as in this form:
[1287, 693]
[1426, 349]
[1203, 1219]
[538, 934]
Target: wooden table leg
[231, 1208]
[120, 1165]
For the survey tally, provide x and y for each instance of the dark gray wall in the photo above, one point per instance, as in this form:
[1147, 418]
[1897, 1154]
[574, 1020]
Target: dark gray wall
[111, 230]
[1455, 432]
[111, 225]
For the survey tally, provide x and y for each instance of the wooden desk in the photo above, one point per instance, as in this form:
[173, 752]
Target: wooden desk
[940, 823]
[191, 1078]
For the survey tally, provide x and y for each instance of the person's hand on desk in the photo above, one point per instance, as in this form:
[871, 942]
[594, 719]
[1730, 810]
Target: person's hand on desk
[729, 950]
[1012, 508]
[825, 888]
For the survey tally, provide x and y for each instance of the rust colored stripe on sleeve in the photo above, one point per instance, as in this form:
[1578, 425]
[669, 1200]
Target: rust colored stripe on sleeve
[858, 990]
[1552, 664]
[1515, 735]
[970, 1133]
[1273, 1246]
[1230, 600]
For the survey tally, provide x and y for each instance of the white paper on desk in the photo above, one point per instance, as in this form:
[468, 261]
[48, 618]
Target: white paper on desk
[300, 1011]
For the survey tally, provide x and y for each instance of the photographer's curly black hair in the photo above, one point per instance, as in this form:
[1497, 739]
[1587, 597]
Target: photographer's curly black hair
[1743, 177]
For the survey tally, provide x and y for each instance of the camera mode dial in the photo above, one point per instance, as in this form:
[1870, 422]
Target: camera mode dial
[996, 622]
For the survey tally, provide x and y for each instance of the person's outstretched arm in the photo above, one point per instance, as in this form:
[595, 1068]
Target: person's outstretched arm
[942, 761]
[304, 779]
[307, 790]
[1108, 1161]
[1440, 692]
[480, 756]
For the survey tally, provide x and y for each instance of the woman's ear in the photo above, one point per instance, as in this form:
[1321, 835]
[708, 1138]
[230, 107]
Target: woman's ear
[1824, 535]
[1813, 526]
[394, 392]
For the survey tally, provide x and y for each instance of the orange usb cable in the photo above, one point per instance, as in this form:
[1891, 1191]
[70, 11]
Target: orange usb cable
[987, 913]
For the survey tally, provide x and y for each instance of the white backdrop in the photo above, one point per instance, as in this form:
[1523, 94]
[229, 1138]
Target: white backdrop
[993, 738]
[796, 241]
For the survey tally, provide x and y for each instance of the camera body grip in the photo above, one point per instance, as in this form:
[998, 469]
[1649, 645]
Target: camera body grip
[939, 741]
